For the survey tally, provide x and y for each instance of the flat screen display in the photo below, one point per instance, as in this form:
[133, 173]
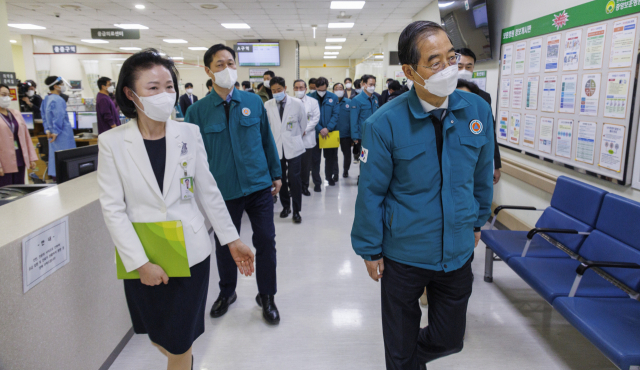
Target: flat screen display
[72, 120]
[258, 54]
[75, 84]
[28, 119]
[467, 24]
[86, 120]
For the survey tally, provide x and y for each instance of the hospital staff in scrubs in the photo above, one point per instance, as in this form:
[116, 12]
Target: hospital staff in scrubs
[56, 121]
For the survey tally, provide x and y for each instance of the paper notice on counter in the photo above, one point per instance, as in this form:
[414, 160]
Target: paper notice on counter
[516, 98]
[553, 51]
[549, 94]
[571, 60]
[505, 91]
[535, 55]
[514, 128]
[586, 145]
[590, 94]
[507, 57]
[568, 93]
[594, 47]
[564, 138]
[532, 93]
[612, 146]
[529, 131]
[622, 43]
[503, 125]
[545, 138]
[521, 55]
[615, 105]
[44, 252]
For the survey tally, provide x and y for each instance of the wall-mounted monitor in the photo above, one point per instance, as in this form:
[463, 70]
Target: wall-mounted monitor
[258, 54]
[28, 119]
[467, 24]
[76, 85]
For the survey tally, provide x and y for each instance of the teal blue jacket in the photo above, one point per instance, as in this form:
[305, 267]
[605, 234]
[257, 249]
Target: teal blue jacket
[401, 210]
[361, 109]
[344, 118]
[242, 153]
[329, 111]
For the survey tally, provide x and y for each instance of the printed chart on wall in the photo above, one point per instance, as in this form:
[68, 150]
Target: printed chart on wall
[568, 84]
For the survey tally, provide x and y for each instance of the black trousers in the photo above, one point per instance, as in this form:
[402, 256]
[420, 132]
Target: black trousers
[331, 170]
[345, 147]
[305, 172]
[291, 179]
[259, 208]
[357, 148]
[407, 347]
[316, 158]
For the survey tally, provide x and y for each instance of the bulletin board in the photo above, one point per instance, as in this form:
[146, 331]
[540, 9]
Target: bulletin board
[567, 88]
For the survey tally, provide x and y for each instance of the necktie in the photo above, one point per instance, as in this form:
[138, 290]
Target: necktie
[281, 110]
[437, 116]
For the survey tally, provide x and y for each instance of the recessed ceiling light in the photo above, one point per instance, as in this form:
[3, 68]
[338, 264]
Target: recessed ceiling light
[132, 26]
[347, 4]
[92, 41]
[209, 6]
[331, 53]
[379, 57]
[26, 26]
[132, 48]
[339, 39]
[326, 57]
[444, 5]
[341, 25]
[140, 6]
[235, 25]
[196, 48]
[13, 41]
[176, 58]
[333, 47]
[175, 41]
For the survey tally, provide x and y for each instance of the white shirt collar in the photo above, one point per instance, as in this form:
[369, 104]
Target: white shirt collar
[428, 107]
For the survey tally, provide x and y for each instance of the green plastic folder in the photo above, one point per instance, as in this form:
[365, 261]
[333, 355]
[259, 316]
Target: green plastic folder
[164, 244]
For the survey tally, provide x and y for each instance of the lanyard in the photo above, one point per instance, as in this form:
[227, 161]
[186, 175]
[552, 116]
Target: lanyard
[9, 123]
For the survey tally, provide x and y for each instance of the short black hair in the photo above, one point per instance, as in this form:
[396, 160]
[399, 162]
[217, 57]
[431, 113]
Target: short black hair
[269, 73]
[246, 84]
[469, 85]
[409, 42]
[208, 56]
[336, 84]
[209, 83]
[303, 81]
[277, 81]
[365, 78]
[130, 71]
[5, 86]
[390, 79]
[51, 79]
[102, 81]
[321, 81]
[237, 84]
[467, 53]
[188, 85]
[395, 85]
[312, 81]
[348, 79]
[31, 83]
[356, 83]
[260, 85]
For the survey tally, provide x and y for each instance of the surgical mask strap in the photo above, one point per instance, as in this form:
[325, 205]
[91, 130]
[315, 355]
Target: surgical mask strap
[423, 80]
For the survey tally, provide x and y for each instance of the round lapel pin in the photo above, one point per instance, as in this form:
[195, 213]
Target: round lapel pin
[475, 127]
[246, 111]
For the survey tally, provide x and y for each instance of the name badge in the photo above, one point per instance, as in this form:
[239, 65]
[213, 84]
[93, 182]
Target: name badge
[187, 188]
[290, 125]
[16, 146]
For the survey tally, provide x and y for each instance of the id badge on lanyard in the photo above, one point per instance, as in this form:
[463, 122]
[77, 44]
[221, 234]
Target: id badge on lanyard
[187, 186]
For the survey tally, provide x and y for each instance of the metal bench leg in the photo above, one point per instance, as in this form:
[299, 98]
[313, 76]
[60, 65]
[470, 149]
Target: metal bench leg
[488, 265]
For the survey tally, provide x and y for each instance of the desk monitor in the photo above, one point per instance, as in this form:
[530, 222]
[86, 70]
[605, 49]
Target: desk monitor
[76, 85]
[72, 163]
[28, 119]
[72, 120]
[86, 120]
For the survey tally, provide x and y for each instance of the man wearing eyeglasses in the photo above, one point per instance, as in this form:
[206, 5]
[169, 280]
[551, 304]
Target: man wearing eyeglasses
[425, 190]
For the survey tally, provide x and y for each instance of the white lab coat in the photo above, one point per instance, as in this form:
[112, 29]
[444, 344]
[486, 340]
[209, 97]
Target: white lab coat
[313, 117]
[129, 191]
[288, 132]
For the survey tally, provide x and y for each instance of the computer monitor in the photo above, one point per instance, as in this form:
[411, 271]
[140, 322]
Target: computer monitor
[76, 85]
[72, 120]
[72, 163]
[28, 119]
[86, 120]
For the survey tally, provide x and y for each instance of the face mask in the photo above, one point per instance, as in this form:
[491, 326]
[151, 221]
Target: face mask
[371, 89]
[321, 93]
[267, 83]
[300, 94]
[358, 91]
[465, 75]
[339, 93]
[63, 89]
[189, 91]
[5, 101]
[348, 85]
[157, 107]
[279, 96]
[443, 83]
[111, 89]
[311, 91]
[31, 93]
[226, 78]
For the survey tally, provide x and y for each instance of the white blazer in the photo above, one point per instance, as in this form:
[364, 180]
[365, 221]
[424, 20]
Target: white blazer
[129, 191]
[313, 117]
[288, 132]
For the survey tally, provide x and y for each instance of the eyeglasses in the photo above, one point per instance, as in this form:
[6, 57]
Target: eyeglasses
[438, 66]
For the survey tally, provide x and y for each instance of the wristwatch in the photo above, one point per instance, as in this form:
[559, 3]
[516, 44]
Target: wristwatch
[477, 229]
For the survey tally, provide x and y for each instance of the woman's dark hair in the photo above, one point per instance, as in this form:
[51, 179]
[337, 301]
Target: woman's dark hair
[348, 79]
[409, 42]
[277, 81]
[130, 72]
[356, 84]
[395, 85]
[321, 81]
[469, 85]
[208, 56]
[102, 81]
[336, 84]
[51, 79]
[5, 86]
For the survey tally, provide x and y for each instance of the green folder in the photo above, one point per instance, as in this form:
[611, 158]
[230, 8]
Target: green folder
[164, 244]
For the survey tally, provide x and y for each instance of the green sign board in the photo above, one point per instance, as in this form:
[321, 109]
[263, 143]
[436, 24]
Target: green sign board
[588, 13]
[480, 74]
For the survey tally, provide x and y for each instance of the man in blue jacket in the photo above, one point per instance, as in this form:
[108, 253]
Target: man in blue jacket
[425, 190]
[329, 112]
[244, 160]
[344, 127]
[362, 107]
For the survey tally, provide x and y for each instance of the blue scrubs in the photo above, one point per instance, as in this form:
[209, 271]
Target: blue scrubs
[56, 120]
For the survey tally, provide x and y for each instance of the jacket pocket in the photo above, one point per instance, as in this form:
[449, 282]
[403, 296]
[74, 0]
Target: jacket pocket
[246, 122]
[197, 222]
[409, 152]
[473, 141]
[215, 128]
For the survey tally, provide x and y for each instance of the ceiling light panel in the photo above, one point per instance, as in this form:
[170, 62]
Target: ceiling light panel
[235, 26]
[340, 39]
[347, 4]
[341, 25]
[95, 41]
[331, 52]
[333, 47]
[24, 26]
[175, 41]
[132, 26]
[327, 57]
[198, 48]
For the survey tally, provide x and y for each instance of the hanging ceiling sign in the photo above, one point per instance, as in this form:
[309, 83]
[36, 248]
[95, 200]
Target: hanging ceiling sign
[114, 34]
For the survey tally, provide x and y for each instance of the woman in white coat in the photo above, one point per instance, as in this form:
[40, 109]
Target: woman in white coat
[309, 138]
[140, 168]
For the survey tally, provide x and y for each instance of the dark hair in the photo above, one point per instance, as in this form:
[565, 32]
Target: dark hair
[208, 56]
[31, 83]
[246, 84]
[188, 85]
[365, 78]
[269, 73]
[469, 85]
[260, 85]
[409, 42]
[130, 71]
[390, 79]
[303, 81]
[237, 84]
[209, 83]
[312, 81]
[321, 81]
[356, 84]
[277, 81]
[336, 84]
[5, 86]
[348, 79]
[467, 53]
[51, 79]
[102, 81]
[395, 85]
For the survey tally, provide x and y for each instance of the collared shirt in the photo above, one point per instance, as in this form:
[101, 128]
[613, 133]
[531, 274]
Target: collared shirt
[191, 98]
[228, 99]
[428, 107]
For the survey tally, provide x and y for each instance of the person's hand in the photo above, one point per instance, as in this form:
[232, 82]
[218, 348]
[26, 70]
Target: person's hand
[375, 268]
[243, 257]
[496, 176]
[324, 133]
[477, 235]
[53, 138]
[1, 172]
[33, 165]
[304, 133]
[152, 275]
[276, 187]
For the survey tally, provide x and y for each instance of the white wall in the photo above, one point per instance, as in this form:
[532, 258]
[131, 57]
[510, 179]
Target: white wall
[335, 70]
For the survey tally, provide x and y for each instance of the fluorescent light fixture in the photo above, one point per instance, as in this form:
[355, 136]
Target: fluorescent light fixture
[444, 5]
[339, 39]
[341, 25]
[333, 47]
[175, 41]
[140, 6]
[117, 59]
[196, 48]
[176, 58]
[130, 48]
[92, 41]
[347, 4]
[379, 57]
[13, 41]
[331, 53]
[235, 25]
[333, 57]
[132, 26]
[26, 26]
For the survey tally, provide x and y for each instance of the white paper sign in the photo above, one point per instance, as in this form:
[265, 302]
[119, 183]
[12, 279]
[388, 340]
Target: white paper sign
[568, 94]
[553, 52]
[612, 146]
[521, 55]
[516, 98]
[549, 94]
[535, 55]
[564, 138]
[503, 125]
[505, 90]
[545, 138]
[594, 47]
[586, 146]
[622, 42]
[571, 59]
[590, 94]
[529, 131]
[615, 105]
[44, 252]
[532, 93]
[507, 59]
[514, 128]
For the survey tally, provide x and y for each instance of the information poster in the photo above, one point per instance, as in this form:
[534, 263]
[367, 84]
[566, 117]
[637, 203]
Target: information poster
[564, 138]
[532, 92]
[44, 252]
[480, 79]
[549, 94]
[521, 55]
[612, 146]
[568, 94]
[514, 128]
[516, 98]
[506, 60]
[571, 59]
[545, 138]
[616, 97]
[586, 146]
[503, 125]
[594, 47]
[529, 131]
[622, 43]
[590, 94]
[505, 91]
[553, 52]
[535, 55]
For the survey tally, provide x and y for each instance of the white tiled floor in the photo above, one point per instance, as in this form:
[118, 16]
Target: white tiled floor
[330, 310]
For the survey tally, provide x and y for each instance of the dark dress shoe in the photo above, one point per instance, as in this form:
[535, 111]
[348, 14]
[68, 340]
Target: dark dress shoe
[221, 305]
[317, 188]
[332, 183]
[306, 192]
[296, 217]
[285, 213]
[345, 174]
[269, 309]
[336, 178]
